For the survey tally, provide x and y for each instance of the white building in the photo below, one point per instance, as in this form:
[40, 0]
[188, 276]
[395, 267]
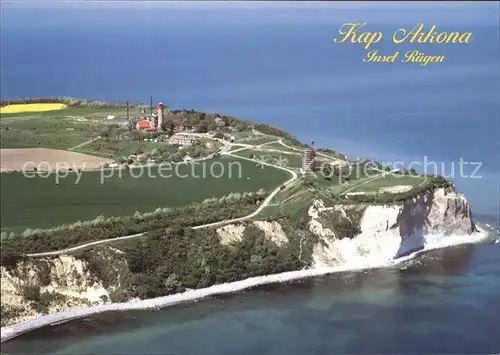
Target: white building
[219, 122]
[182, 140]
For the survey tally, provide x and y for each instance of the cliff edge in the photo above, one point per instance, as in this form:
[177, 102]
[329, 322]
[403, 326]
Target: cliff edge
[390, 231]
[347, 235]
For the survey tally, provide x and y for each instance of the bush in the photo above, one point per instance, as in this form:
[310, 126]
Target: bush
[10, 258]
[31, 292]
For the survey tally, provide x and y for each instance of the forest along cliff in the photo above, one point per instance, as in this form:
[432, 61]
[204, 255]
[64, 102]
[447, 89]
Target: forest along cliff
[173, 260]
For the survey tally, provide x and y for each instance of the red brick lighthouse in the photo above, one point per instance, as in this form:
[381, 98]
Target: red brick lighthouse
[160, 107]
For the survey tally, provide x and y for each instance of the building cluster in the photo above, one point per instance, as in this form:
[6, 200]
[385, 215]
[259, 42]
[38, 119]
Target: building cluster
[182, 140]
[154, 123]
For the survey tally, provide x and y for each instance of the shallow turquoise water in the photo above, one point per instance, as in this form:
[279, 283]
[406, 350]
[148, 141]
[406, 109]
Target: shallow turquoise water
[443, 303]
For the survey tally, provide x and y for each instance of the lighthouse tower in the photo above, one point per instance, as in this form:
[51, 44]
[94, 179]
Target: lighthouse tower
[160, 107]
[309, 159]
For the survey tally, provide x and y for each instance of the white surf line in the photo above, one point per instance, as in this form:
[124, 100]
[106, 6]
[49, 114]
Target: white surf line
[84, 143]
[12, 331]
[214, 224]
[301, 242]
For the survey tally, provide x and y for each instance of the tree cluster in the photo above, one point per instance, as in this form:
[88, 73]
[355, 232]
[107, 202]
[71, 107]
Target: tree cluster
[176, 259]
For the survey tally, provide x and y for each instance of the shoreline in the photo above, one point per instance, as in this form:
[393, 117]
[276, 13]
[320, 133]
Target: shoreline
[11, 331]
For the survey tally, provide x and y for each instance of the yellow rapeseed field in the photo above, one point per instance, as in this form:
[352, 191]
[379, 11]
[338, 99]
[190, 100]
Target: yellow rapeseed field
[20, 108]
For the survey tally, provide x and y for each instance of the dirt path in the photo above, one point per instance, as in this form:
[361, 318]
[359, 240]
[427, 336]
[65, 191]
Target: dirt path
[83, 144]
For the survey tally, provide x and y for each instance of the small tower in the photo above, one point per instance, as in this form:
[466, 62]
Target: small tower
[160, 107]
[309, 158]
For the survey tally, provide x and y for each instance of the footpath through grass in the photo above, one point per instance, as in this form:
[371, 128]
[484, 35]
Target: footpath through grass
[282, 159]
[40, 203]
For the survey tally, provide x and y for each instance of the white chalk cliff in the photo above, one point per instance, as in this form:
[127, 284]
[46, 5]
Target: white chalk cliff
[392, 231]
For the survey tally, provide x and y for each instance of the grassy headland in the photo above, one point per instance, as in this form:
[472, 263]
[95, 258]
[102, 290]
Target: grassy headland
[172, 244]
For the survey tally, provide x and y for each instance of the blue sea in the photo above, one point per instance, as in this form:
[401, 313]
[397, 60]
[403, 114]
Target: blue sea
[276, 62]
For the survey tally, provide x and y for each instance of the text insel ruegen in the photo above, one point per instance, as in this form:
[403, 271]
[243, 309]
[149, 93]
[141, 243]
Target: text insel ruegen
[352, 33]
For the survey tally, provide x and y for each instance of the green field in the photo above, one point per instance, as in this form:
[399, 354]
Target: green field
[40, 202]
[125, 147]
[55, 129]
[388, 181]
[296, 204]
[69, 128]
[61, 133]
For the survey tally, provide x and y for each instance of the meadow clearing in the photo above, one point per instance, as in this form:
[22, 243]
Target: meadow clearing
[39, 202]
[62, 130]
[388, 181]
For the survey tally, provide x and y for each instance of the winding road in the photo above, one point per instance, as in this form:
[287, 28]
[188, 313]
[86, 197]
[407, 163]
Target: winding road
[224, 151]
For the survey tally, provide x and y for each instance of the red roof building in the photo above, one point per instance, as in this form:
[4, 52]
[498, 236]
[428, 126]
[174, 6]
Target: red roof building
[143, 125]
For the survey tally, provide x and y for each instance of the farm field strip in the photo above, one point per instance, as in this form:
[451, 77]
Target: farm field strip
[31, 107]
[41, 203]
